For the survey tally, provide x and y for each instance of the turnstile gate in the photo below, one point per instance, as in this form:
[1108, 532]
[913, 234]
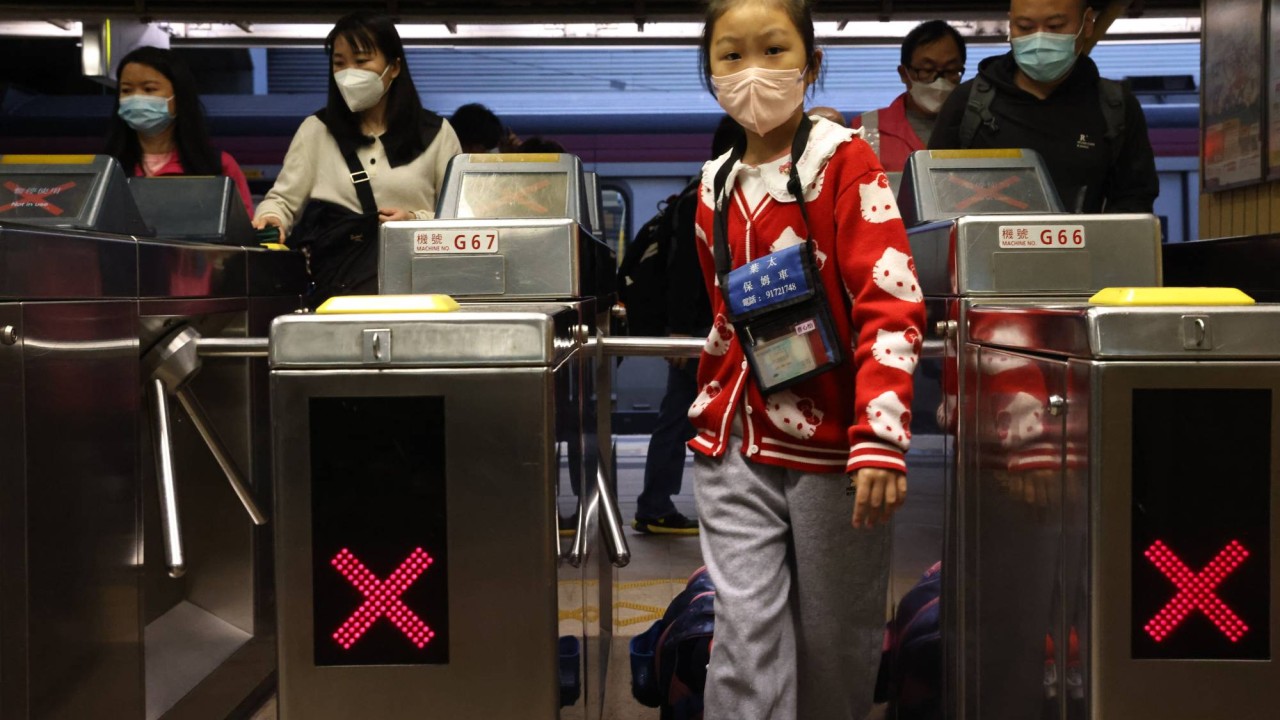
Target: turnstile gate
[416, 475]
[1124, 539]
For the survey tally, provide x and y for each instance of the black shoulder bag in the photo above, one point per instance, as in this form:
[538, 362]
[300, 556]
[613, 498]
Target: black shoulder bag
[341, 245]
[777, 302]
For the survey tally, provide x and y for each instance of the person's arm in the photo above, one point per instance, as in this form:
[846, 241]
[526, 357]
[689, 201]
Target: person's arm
[296, 180]
[443, 148]
[946, 129]
[231, 169]
[1132, 184]
[876, 270]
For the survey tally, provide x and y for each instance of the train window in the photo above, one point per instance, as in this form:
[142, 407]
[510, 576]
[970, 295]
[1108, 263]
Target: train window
[1201, 524]
[615, 213]
[380, 578]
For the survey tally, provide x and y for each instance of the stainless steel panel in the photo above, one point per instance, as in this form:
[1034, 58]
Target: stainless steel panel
[501, 479]
[57, 264]
[965, 257]
[1077, 530]
[180, 269]
[460, 276]
[83, 554]
[1017, 538]
[475, 339]
[554, 258]
[14, 675]
[1230, 332]
[1182, 689]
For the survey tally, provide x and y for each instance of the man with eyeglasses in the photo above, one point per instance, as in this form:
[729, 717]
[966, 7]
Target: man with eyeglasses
[933, 56]
[1046, 95]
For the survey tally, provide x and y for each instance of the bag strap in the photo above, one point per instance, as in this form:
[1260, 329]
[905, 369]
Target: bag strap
[359, 178]
[1111, 96]
[977, 111]
[720, 227]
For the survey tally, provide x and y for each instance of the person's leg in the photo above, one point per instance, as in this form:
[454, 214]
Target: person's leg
[664, 464]
[841, 581]
[745, 541]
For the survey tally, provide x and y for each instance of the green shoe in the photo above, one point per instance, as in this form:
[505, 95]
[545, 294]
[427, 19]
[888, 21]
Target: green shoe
[673, 524]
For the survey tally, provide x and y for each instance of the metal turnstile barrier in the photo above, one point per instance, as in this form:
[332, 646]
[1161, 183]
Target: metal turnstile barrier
[1035, 255]
[507, 399]
[94, 620]
[1123, 541]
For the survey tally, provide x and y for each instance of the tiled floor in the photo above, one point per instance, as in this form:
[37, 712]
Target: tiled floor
[661, 564]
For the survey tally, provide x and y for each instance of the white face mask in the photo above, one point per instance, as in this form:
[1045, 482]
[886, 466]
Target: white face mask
[760, 99]
[362, 89]
[930, 97]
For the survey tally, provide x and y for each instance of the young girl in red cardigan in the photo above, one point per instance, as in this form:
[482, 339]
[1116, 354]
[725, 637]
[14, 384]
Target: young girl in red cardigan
[801, 589]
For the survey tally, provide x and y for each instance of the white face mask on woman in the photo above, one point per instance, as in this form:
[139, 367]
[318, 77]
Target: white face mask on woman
[760, 99]
[362, 89]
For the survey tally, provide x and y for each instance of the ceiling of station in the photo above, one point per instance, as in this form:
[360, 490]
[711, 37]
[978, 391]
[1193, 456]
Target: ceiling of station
[518, 11]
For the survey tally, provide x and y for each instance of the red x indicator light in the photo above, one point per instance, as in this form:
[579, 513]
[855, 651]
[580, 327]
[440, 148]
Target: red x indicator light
[382, 598]
[1196, 591]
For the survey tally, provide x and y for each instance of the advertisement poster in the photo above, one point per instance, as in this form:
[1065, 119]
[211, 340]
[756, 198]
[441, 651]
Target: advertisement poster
[1233, 100]
[1273, 82]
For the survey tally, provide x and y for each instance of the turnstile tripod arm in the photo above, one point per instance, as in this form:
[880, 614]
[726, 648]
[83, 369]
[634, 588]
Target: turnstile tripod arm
[195, 410]
[170, 525]
[619, 550]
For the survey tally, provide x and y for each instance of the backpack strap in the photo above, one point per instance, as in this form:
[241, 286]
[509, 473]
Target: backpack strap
[978, 111]
[1111, 98]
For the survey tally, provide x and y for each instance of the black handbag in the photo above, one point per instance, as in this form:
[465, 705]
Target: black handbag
[777, 302]
[341, 245]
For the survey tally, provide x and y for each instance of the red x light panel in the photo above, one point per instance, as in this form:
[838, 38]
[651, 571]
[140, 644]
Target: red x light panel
[984, 191]
[379, 552]
[1201, 524]
[27, 196]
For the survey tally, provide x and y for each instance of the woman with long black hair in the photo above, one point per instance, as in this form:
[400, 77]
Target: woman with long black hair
[373, 135]
[158, 127]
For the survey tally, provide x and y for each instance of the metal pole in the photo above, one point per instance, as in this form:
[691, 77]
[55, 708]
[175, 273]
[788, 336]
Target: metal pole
[649, 346]
[231, 347]
[170, 525]
[619, 551]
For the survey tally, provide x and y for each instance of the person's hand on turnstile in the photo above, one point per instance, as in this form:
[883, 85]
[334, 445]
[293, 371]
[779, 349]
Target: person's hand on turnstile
[265, 221]
[389, 214]
[878, 493]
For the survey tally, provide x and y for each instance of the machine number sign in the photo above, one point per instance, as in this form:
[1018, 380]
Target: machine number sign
[469, 241]
[1042, 237]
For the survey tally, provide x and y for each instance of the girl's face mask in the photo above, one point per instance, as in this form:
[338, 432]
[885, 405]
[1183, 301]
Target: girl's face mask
[760, 99]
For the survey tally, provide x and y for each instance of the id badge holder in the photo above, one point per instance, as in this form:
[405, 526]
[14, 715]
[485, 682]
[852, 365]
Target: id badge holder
[778, 305]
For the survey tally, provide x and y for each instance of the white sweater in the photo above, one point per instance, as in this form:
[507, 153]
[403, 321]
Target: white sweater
[314, 169]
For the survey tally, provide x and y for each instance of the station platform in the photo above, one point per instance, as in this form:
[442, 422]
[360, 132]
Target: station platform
[660, 564]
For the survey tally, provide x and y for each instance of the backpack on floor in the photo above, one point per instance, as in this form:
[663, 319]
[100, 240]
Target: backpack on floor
[910, 678]
[669, 660]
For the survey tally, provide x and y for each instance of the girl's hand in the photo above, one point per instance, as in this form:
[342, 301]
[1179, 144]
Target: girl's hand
[879, 494]
[261, 223]
[389, 214]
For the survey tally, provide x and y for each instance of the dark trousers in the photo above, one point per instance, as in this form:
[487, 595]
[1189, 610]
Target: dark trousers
[664, 465]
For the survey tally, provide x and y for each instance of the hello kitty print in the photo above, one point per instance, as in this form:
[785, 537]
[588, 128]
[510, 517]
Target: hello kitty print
[794, 415]
[890, 419]
[899, 350]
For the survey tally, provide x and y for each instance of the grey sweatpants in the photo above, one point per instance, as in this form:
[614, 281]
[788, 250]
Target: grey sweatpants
[800, 594]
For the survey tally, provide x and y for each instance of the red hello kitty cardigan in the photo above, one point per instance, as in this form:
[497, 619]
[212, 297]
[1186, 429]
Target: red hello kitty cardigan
[858, 414]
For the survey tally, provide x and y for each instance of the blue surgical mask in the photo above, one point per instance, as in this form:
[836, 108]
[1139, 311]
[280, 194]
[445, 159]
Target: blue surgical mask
[1046, 57]
[148, 114]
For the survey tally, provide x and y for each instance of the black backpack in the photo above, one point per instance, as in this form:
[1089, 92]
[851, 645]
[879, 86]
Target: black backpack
[642, 277]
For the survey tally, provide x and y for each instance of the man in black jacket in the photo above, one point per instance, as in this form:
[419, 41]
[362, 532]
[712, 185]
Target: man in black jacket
[1045, 95]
